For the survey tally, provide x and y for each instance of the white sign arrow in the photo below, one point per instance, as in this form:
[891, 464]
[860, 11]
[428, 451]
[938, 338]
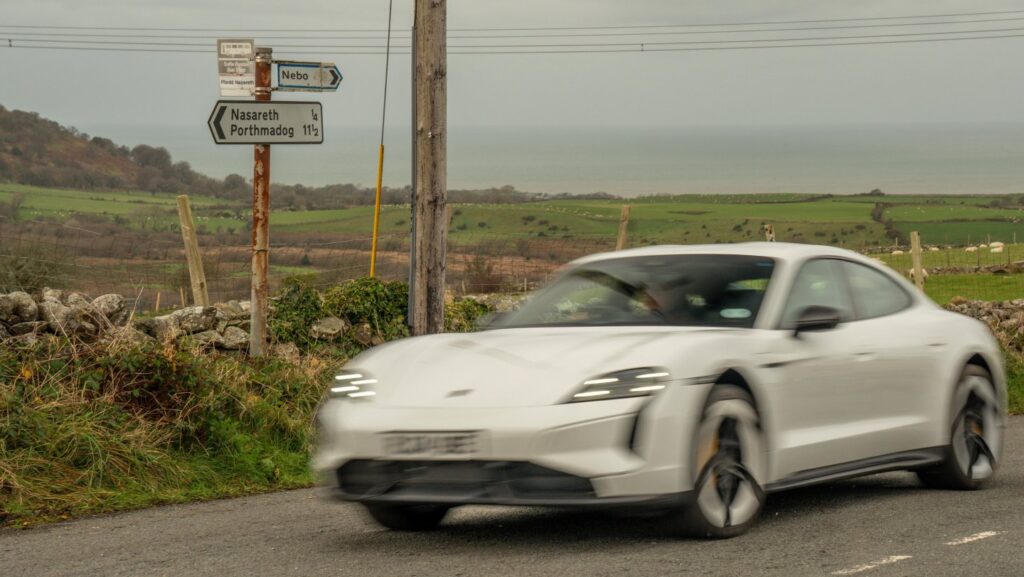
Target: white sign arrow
[266, 122]
[307, 76]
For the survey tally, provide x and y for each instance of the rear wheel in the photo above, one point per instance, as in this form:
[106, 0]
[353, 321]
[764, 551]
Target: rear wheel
[976, 435]
[407, 517]
[729, 458]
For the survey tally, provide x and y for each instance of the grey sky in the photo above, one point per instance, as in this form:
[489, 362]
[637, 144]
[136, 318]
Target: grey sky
[950, 81]
[970, 81]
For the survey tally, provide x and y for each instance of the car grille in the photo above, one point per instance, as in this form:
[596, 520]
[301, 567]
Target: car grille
[459, 481]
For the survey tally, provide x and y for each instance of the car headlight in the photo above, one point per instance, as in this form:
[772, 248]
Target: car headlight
[352, 384]
[640, 382]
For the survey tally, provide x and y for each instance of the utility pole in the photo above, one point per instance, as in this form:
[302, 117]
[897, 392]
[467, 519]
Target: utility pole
[260, 218]
[431, 225]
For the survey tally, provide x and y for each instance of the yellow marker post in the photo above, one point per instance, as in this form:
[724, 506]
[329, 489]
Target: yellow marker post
[376, 213]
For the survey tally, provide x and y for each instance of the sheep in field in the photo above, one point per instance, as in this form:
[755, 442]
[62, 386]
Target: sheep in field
[997, 249]
[924, 274]
[897, 252]
[971, 249]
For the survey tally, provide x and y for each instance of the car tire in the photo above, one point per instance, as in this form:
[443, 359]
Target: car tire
[419, 517]
[976, 431]
[729, 457]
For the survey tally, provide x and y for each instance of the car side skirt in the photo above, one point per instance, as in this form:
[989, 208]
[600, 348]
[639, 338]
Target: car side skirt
[892, 462]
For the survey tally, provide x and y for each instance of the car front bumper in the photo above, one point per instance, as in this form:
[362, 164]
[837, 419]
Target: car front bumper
[602, 453]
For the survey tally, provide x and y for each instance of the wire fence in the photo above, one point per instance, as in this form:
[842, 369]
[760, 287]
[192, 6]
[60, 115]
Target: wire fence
[152, 269]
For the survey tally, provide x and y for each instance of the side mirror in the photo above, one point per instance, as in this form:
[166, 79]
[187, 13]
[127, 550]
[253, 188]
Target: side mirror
[817, 318]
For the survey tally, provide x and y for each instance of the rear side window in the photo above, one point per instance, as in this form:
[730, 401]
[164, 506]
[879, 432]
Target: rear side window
[819, 283]
[874, 293]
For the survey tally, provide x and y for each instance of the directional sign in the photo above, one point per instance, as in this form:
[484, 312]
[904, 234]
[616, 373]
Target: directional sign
[236, 67]
[307, 76]
[266, 122]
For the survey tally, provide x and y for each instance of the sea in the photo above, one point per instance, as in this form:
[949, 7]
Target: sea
[640, 160]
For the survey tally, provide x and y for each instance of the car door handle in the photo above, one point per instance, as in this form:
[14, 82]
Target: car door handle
[865, 356]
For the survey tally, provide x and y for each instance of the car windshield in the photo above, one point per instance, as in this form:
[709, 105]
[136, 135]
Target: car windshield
[686, 290]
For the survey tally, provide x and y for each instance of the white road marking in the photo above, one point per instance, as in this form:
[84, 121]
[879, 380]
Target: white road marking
[869, 566]
[975, 537]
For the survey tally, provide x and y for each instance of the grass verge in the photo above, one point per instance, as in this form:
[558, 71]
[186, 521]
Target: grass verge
[110, 427]
[1015, 382]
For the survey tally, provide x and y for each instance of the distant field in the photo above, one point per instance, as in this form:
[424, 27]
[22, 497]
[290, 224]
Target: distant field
[987, 287]
[843, 221]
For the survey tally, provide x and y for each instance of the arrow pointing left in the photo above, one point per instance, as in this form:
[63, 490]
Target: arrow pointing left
[266, 122]
[216, 121]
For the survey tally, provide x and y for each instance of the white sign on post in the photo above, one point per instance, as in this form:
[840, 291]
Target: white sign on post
[236, 66]
[307, 76]
[266, 122]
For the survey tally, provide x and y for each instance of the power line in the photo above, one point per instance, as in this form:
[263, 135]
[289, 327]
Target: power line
[542, 35]
[527, 28]
[628, 48]
[562, 45]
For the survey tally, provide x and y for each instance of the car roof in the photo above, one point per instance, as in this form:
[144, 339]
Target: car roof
[779, 250]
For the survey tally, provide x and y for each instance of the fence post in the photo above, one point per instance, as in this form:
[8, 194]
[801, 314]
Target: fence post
[195, 262]
[915, 255]
[620, 242]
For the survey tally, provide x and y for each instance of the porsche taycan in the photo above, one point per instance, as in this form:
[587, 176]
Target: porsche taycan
[691, 381]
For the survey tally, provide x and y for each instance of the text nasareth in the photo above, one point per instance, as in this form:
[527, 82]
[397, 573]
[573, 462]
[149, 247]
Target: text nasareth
[257, 130]
[254, 114]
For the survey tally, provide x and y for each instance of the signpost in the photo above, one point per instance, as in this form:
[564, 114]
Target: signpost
[307, 76]
[244, 70]
[236, 67]
[266, 122]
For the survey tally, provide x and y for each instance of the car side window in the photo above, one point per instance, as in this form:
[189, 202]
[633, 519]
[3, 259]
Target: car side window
[874, 294]
[819, 283]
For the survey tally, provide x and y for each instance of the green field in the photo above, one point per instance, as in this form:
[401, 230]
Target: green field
[942, 288]
[844, 221]
[554, 231]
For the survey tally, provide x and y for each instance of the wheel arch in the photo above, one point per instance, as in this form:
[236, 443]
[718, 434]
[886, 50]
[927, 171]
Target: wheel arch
[991, 364]
[739, 378]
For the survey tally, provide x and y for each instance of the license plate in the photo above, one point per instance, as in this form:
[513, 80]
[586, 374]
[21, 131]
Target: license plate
[448, 445]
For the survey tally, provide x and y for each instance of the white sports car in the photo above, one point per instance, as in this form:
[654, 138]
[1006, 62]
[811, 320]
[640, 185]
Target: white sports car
[692, 379]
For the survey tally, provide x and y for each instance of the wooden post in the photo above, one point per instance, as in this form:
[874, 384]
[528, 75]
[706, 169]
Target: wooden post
[181, 296]
[431, 225]
[915, 255]
[260, 219]
[620, 242]
[196, 274]
[156, 307]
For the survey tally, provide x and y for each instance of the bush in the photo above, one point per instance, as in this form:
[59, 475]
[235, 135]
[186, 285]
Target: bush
[29, 268]
[382, 304]
[296, 310]
[462, 315]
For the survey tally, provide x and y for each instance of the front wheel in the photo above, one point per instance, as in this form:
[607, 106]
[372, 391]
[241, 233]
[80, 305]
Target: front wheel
[729, 458]
[407, 517]
[976, 435]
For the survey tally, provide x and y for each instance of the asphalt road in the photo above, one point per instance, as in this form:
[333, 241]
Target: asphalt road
[885, 525]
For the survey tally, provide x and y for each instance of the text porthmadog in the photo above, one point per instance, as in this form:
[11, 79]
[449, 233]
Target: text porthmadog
[254, 122]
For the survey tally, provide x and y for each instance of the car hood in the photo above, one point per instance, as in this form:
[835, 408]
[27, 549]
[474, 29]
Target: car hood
[513, 367]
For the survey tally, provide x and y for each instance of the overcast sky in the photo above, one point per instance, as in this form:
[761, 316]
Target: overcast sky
[928, 82]
[962, 81]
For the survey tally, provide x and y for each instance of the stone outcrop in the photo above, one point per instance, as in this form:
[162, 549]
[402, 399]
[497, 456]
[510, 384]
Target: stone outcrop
[1005, 318]
[25, 318]
[329, 329]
